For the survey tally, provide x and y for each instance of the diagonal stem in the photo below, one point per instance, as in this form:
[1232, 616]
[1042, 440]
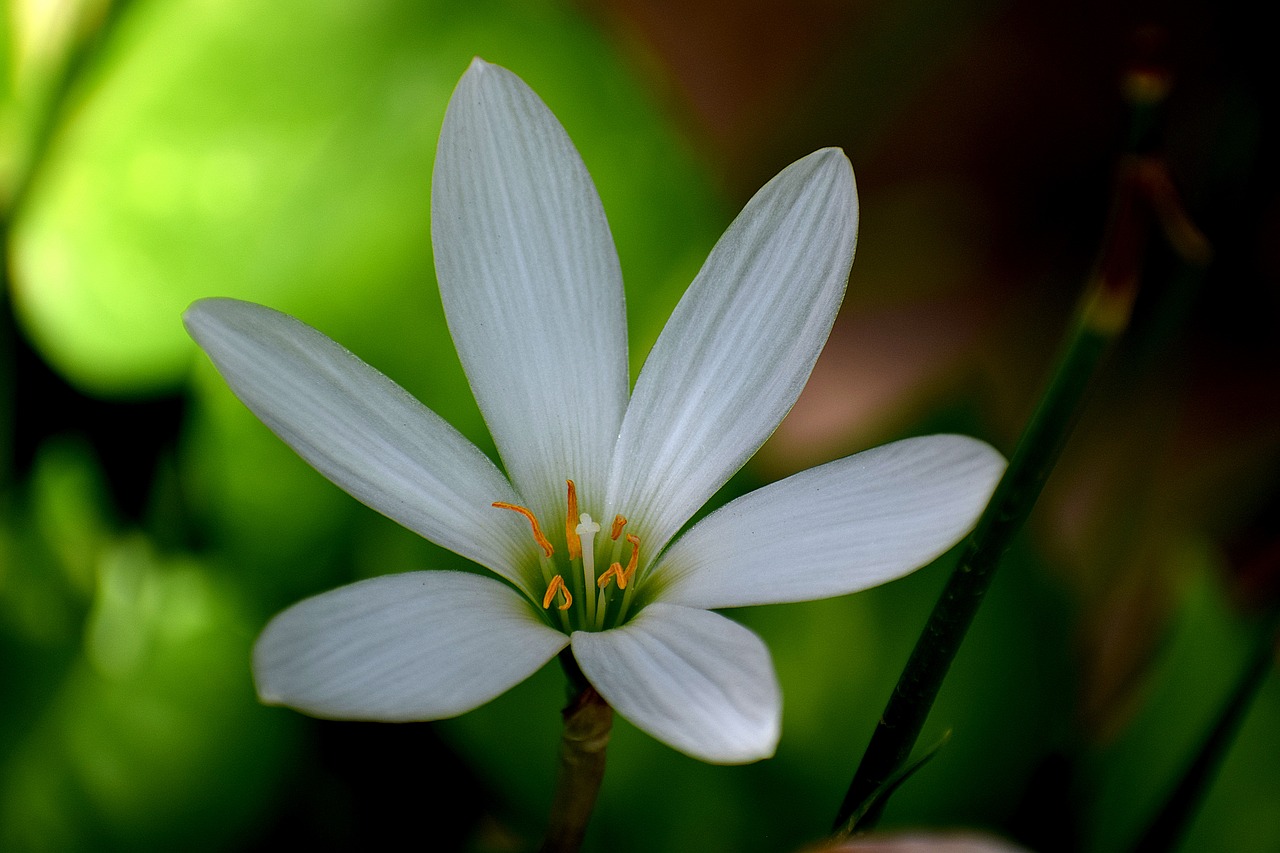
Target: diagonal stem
[1143, 194]
[1103, 315]
[913, 696]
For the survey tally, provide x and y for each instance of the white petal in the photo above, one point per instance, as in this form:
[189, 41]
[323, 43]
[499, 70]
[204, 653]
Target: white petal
[692, 679]
[835, 529]
[362, 431]
[531, 287]
[739, 346]
[416, 646]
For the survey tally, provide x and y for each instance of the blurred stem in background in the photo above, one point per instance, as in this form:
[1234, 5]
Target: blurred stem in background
[1143, 192]
[1169, 823]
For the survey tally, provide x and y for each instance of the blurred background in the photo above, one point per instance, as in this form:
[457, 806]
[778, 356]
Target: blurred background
[152, 153]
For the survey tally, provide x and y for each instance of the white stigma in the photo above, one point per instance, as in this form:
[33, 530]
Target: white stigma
[587, 530]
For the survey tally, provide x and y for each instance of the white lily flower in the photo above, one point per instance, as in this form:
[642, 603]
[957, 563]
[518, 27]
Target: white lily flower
[598, 482]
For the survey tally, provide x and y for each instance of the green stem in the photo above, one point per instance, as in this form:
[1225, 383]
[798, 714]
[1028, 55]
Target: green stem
[588, 720]
[1103, 315]
[1143, 192]
[909, 704]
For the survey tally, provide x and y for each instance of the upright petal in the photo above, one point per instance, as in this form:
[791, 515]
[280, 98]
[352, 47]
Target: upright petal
[397, 648]
[739, 346]
[531, 287]
[835, 529]
[361, 430]
[692, 679]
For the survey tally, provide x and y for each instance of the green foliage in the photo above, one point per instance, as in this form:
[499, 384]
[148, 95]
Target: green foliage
[129, 717]
[282, 153]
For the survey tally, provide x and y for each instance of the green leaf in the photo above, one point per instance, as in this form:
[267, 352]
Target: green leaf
[282, 152]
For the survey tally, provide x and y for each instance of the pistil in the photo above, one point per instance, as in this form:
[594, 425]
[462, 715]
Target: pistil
[586, 533]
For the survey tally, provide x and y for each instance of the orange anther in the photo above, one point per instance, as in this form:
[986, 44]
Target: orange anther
[614, 571]
[616, 530]
[557, 585]
[631, 563]
[537, 531]
[571, 523]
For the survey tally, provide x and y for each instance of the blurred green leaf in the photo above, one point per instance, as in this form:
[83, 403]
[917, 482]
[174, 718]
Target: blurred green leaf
[153, 738]
[129, 719]
[282, 153]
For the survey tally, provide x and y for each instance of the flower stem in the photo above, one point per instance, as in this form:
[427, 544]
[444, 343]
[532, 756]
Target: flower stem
[588, 720]
[1143, 193]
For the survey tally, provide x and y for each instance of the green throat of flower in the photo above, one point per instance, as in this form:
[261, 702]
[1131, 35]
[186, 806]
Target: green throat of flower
[584, 597]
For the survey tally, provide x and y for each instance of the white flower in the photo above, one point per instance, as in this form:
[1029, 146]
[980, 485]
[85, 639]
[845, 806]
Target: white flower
[533, 292]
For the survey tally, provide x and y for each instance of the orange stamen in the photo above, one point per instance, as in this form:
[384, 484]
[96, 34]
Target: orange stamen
[631, 564]
[537, 531]
[614, 571]
[616, 530]
[571, 523]
[557, 585]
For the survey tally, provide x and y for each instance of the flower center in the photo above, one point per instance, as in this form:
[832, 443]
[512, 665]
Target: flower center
[584, 599]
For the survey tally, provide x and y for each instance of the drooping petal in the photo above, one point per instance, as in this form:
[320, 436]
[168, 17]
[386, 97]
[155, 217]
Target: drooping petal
[361, 430]
[531, 287]
[739, 346]
[692, 679]
[397, 648]
[835, 529]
